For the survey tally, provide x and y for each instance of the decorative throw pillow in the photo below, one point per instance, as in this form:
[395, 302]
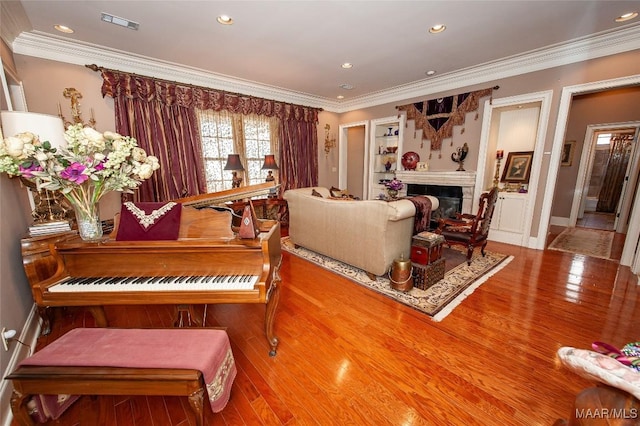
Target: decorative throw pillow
[316, 193]
[595, 366]
[338, 193]
[149, 221]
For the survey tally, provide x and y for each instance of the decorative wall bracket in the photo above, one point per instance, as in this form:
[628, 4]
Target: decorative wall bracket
[74, 96]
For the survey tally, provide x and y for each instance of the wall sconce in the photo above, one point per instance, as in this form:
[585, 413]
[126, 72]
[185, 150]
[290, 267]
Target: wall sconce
[270, 164]
[74, 95]
[234, 164]
[329, 141]
[47, 206]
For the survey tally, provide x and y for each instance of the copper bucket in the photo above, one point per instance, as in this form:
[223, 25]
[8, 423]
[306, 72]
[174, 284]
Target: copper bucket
[401, 276]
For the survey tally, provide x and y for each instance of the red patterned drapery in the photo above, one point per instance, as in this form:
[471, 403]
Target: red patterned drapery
[161, 115]
[436, 117]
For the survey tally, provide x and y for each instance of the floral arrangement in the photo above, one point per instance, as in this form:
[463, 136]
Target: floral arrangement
[394, 184]
[91, 164]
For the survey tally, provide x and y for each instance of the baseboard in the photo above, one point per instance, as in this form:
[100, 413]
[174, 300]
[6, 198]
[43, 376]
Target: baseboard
[29, 335]
[559, 221]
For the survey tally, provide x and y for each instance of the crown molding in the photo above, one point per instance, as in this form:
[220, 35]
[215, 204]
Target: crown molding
[46, 46]
[604, 44]
[61, 49]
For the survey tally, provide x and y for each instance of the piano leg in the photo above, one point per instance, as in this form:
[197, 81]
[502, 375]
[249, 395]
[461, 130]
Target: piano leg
[272, 304]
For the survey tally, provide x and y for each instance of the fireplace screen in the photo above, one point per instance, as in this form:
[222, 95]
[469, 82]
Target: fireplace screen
[449, 198]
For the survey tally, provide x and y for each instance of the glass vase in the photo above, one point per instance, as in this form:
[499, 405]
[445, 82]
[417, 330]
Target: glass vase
[393, 194]
[88, 220]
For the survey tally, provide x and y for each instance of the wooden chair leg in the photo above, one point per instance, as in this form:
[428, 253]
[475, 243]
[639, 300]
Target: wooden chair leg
[469, 254]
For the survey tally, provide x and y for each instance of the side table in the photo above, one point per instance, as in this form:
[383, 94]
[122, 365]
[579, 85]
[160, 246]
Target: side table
[266, 208]
[426, 258]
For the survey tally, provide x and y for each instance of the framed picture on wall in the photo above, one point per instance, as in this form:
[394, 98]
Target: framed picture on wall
[518, 167]
[567, 153]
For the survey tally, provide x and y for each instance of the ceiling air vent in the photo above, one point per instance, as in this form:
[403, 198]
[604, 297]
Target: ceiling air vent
[106, 17]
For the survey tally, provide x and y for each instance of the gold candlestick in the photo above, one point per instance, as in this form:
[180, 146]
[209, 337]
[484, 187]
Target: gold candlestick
[496, 177]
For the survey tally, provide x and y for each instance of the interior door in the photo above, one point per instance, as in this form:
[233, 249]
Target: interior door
[628, 187]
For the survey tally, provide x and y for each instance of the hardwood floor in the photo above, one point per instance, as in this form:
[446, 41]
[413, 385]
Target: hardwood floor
[350, 356]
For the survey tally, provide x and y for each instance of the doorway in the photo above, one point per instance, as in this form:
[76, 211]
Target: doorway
[630, 255]
[352, 144]
[607, 177]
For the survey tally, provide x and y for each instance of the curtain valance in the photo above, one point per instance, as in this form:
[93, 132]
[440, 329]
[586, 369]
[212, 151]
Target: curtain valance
[117, 83]
[436, 117]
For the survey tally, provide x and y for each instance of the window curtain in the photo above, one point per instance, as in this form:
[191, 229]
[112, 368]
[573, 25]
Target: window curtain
[161, 116]
[619, 153]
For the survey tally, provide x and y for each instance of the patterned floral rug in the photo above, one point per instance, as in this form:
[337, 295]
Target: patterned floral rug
[590, 242]
[438, 300]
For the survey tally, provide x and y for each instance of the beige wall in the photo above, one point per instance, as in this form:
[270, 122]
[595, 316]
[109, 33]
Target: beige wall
[613, 106]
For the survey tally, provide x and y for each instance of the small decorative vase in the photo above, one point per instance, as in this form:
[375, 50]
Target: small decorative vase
[387, 166]
[393, 194]
[88, 220]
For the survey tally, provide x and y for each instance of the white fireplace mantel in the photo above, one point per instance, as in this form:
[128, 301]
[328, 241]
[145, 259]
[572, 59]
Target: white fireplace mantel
[465, 180]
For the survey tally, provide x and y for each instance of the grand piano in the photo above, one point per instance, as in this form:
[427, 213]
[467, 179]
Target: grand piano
[207, 264]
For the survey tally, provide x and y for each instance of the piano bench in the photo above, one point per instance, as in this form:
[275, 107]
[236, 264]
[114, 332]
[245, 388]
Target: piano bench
[101, 366]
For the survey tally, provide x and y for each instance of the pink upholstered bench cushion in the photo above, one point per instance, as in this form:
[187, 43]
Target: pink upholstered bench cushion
[205, 350]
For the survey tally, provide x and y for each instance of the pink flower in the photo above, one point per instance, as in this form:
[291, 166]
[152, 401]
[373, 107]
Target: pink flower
[27, 172]
[73, 173]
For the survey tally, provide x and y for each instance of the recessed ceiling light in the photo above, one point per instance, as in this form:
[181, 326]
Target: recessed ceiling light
[340, 97]
[347, 65]
[430, 72]
[63, 29]
[437, 29]
[346, 86]
[626, 17]
[224, 20]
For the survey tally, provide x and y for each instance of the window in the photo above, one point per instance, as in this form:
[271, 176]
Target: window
[223, 133]
[603, 139]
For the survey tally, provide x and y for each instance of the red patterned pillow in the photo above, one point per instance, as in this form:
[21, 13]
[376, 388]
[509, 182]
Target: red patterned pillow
[149, 221]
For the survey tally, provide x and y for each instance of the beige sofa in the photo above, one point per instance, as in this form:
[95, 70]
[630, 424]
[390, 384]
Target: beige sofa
[366, 234]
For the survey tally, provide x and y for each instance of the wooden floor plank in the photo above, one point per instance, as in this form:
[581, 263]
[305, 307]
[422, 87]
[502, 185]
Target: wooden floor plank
[351, 356]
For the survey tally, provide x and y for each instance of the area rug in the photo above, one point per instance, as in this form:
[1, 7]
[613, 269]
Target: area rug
[589, 242]
[439, 300]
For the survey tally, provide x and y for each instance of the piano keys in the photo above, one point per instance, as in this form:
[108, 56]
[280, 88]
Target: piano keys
[208, 264]
[168, 283]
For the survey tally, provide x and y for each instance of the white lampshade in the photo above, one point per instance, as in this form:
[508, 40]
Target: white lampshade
[47, 127]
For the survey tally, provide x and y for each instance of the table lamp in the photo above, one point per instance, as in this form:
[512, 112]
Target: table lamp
[234, 164]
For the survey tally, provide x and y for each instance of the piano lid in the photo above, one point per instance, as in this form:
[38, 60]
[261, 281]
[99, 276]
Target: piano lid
[221, 197]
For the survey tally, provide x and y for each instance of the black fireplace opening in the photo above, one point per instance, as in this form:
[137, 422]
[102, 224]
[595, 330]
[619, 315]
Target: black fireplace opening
[449, 199]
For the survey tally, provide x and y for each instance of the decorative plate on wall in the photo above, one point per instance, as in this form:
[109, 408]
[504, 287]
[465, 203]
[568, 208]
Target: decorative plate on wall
[410, 160]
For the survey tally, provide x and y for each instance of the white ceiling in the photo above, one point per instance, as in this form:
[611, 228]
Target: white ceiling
[297, 47]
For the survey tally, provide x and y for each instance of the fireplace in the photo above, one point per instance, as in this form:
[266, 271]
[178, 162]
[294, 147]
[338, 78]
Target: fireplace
[449, 199]
[464, 182]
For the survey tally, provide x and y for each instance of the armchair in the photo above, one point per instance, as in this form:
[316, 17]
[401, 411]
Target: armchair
[470, 230]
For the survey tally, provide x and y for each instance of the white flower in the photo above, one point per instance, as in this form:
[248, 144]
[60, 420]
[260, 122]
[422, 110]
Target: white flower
[14, 147]
[145, 171]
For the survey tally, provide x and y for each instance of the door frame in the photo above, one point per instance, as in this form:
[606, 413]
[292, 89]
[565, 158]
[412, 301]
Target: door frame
[633, 233]
[343, 140]
[586, 168]
[544, 99]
